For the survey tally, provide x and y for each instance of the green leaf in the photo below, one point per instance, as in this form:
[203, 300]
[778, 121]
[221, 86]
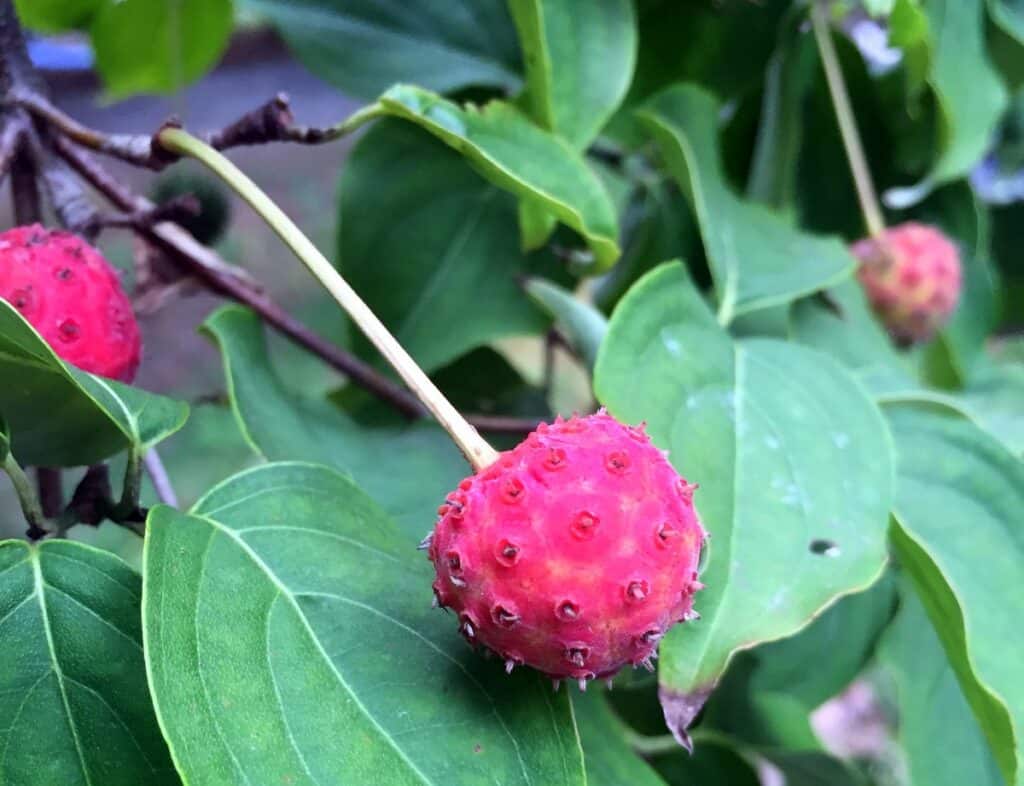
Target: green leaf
[610, 761]
[757, 259]
[452, 260]
[793, 461]
[670, 51]
[843, 326]
[365, 46]
[584, 325]
[519, 157]
[969, 92]
[152, 46]
[713, 762]
[909, 30]
[790, 73]
[290, 639]
[813, 768]
[933, 713]
[767, 696]
[5, 439]
[1009, 15]
[959, 497]
[73, 696]
[60, 416]
[408, 470]
[55, 16]
[657, 225]
[994, 395]
[579, 62]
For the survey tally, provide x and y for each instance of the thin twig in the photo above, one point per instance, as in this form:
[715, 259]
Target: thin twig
[161, 480]
[271, 122]
[866, 195]
[474, 447]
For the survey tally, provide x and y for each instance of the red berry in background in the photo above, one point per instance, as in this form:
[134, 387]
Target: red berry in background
[912, 279]
[573, 553]
[72, 296]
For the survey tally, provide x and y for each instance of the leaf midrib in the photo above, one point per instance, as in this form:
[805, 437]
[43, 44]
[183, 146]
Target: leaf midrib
[291, 599]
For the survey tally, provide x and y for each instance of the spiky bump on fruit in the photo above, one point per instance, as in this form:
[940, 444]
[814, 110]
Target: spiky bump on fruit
[911, 276]
[573, 553]
[72, 296]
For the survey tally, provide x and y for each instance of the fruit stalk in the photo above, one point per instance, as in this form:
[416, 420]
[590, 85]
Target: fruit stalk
[475, 448]
[866, 194]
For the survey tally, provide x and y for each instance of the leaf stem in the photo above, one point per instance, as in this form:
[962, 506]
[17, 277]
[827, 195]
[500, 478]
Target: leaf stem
[866, 194]
[26, 497]
[477, 451]
[132, 490]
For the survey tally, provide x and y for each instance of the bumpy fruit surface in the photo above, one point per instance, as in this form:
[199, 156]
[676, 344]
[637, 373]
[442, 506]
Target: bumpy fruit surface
[573, 553]
[72, 297]
[912, 279]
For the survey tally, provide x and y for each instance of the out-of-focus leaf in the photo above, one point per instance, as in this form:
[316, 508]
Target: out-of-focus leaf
[365, 46]
[773, 171]
[657, 225]
[520, 157]
[76, 710]
[994, 394]
[579, 62]
[55, 16]
[959, 497]
[610, 761]
[583, 325]
[756, 258]
[60, 416]
[767, 696]
[969, 91]
[745, 30]
[444, 277]
[407, 469]
[152, 46]
[933, 713]
[775, 433]
[290, 639]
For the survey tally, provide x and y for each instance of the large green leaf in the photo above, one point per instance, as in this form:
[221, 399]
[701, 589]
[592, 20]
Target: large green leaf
[60, 416]
[408, 470]
[579, 62]
[793, 459]
[757, 259]
[520, 157]
[959, 497]
[444, 277]
[290, 639]
[970, 94]
[152, 46]
[73, 696]
[365, 46]
[933, 714]
[610, 761]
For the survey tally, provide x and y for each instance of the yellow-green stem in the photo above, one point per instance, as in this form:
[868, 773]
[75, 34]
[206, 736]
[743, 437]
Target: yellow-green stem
[476, 449]
[866, 195]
